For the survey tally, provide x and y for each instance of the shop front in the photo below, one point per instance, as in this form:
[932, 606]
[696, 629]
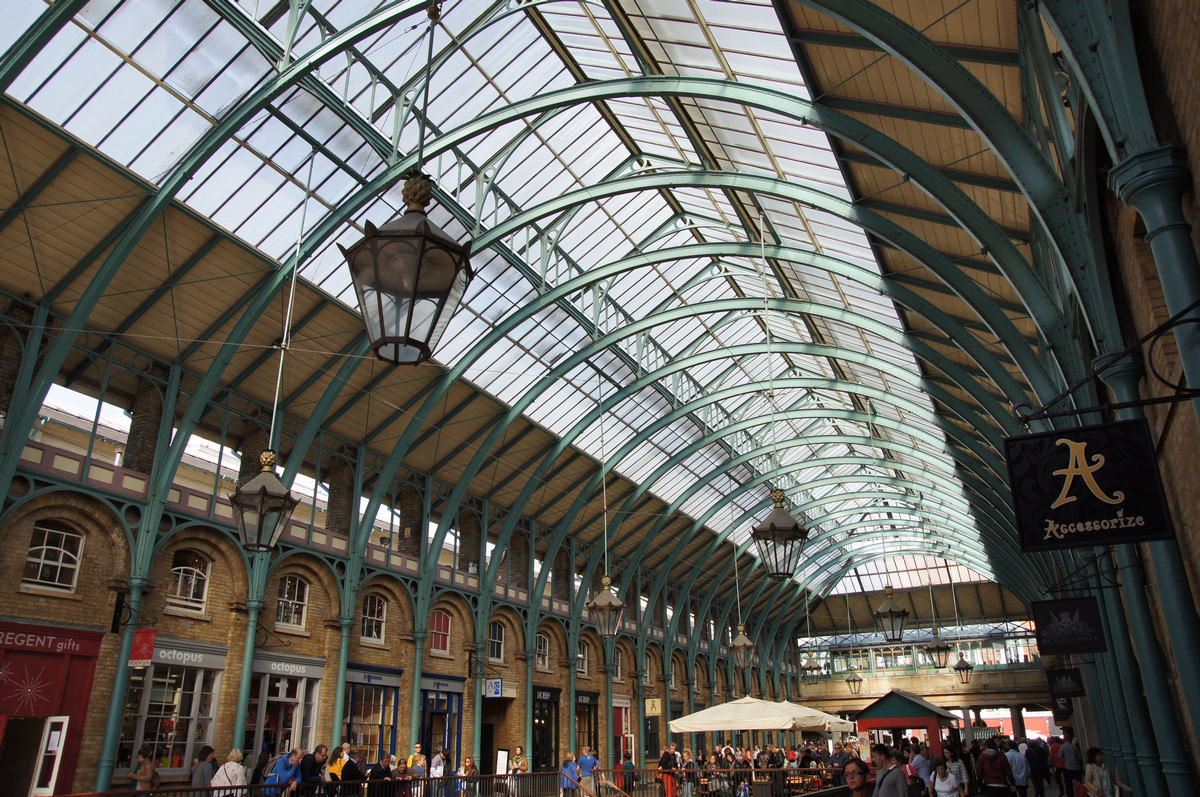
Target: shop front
[284, 703]
[543, 754]
[46, 676]
[441, 714]
[372, 708]
[170, 703]
[587, 721]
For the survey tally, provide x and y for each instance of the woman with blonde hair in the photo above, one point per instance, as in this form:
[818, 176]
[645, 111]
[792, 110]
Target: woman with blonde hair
[231, 774]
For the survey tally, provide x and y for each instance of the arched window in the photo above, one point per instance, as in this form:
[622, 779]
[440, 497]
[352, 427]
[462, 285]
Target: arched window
[55, 550]
[618, 662]
[581, 659]
[495, 641]
[541, 652]
[374, 614]
[189, 581]
[293, 602]
[439, 632]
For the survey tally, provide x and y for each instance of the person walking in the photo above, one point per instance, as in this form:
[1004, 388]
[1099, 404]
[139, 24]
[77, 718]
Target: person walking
[1100, 779]
[994, 772]
[203, 771]
[1072, 762]
[1020, 768]
[889, 772]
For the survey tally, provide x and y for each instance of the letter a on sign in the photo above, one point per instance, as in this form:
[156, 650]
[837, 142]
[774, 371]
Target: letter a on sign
[1094, 485]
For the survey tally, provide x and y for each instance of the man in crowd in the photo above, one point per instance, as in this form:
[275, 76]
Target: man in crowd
[311, 764]
[586, 763]
[993, 771]
[837, 761]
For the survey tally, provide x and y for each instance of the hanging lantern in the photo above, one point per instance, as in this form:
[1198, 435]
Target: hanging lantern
[262, 506]
[742, 648]
[937, 651]
[855, 682]
[605, 610]
[409, 277]
[891, 616]
[963, 670]
[810, 670]
[780, 540]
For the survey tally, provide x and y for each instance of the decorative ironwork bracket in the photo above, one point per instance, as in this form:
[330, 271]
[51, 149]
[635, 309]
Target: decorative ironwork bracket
[1181, 391]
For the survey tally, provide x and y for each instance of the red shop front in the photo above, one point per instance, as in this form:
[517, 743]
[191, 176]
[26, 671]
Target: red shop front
[45, 683]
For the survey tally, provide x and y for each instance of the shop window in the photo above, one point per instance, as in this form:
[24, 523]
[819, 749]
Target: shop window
[189, 581]
[292, 607]
[172, 709]
[495, 641]
[581, 659]
[374, 614]
[541, 652]
[439, 632]
[372, 717]
[617, 665]
[55, 550]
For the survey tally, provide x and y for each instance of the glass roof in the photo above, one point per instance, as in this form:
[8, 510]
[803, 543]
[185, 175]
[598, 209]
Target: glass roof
[144, 82]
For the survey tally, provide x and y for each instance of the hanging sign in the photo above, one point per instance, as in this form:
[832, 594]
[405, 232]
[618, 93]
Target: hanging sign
[142, 652]
[1065, 682]
[1067, 626]
[1095, 485]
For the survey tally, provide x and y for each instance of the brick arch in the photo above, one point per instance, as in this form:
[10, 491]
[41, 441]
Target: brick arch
[228, 582]
[105, 558]
[462, 634]
[399, 620]
[652, 663]
[554, 631]
[324, 596]
[679, 667]
[514, 638]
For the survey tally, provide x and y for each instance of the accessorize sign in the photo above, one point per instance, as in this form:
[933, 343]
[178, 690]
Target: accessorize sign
[1065, 682]
[1067, 626]
[1095, 485]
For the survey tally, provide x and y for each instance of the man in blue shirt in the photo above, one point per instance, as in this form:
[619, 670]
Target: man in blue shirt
[920, 763]
[586, 763]
[285, 773]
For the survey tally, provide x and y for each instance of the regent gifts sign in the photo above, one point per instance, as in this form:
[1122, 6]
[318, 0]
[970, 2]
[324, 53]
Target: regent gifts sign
[1095, 485]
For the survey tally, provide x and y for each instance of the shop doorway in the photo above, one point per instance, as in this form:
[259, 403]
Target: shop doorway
[30, 754]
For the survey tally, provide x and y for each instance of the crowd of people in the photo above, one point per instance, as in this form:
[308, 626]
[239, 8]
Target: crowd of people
[297, 774]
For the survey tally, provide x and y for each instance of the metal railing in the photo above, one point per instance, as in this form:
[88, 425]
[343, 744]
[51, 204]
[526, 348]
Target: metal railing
[736, 782]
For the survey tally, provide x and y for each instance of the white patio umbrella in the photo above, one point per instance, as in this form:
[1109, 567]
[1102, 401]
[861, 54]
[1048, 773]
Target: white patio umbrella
[752, 714]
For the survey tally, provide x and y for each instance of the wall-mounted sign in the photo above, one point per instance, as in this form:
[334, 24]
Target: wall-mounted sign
[1095, 485]
[653, 706]
[587, 698]
[1067, 626]
[142, 652]
[498, 687]
[1065, 682]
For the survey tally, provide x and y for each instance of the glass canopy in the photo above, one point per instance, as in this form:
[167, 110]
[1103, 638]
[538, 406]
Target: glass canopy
[738, 333]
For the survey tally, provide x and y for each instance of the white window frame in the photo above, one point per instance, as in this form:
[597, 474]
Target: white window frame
[52, 553]
[292, 600]
[674, 667]
[435, 635]
[374, 617]
[618, 665]
[647, 676]
[495, 641]
[188, 590]
[581, 659]
[541, 651]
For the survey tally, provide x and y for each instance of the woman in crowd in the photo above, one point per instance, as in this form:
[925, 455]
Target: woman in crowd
[943, 783]
[204, 769]
[231, 774]
[468, 773]
[143, 773]
[856, 772]
[1100, 779]
[956, 767]
[569, 776]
